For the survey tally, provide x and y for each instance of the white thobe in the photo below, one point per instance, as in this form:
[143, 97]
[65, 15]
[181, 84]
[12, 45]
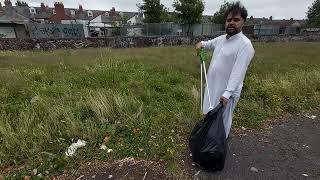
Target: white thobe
[226, 73]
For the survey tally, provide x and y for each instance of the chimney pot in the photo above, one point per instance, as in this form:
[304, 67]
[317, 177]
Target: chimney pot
[43, 7]
[7, 3]
[112, 11]
[59, 8]
[80, 8]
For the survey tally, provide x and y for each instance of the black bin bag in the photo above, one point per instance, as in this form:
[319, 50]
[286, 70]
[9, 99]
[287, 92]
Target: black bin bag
[207, 141]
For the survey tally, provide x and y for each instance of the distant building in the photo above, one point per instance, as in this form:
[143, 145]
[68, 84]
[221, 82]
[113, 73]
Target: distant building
[14, 20]
[12, 24]
[136, 19]
[269, 26]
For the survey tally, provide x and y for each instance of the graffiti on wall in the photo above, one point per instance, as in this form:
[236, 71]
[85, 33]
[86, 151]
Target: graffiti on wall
[41, 31]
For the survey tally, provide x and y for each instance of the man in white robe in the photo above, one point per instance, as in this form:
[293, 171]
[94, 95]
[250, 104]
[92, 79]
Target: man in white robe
[232, 55]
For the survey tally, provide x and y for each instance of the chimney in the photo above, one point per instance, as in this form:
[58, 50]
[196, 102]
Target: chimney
[59, 9]
[80, 8]
[270, 18]
[113, 12]
[7, 3]
[43, 7]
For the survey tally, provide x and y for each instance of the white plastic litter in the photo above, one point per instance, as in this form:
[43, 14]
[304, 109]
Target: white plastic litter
[305, 175]
[311, 117]
[74, 146]
[253, 169]
[305, 146]
[103, 147]
[109, 150]
[35, 172]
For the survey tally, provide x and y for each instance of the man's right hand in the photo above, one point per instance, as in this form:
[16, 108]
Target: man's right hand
[198, 47]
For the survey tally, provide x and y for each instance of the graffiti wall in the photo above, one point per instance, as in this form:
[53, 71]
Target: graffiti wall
[49, 31]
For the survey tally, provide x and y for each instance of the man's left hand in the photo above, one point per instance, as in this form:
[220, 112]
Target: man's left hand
[224, 101]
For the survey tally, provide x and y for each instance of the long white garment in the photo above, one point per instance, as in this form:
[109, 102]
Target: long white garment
[230, 60]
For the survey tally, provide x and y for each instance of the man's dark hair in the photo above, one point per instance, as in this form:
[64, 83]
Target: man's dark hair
[236, 8]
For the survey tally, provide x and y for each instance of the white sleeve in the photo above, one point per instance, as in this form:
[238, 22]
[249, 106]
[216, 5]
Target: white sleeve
[239, 70]
[210, 44]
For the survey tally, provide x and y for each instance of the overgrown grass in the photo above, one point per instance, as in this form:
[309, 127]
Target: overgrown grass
[145, 100]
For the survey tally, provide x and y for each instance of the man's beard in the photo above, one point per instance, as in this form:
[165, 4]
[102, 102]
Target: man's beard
[232, 31]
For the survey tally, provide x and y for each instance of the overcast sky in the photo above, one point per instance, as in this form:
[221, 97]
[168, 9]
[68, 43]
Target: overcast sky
[257, 8]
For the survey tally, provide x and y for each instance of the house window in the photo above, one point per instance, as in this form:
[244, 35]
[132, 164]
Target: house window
[107, 14]
[72, 12]
[32, 10]
[90, 14]
[53, 11]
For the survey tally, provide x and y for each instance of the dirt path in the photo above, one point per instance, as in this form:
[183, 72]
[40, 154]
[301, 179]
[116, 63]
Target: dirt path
[289, 149]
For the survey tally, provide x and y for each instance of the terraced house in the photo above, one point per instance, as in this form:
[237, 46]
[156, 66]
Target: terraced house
[23, 21]
[16, 21]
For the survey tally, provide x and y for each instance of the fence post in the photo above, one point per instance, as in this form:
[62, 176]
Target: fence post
[147, 28]
[104, 32]
[171, 28]
[202, 29]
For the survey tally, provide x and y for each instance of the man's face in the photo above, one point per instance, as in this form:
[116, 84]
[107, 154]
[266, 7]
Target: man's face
[234, 24]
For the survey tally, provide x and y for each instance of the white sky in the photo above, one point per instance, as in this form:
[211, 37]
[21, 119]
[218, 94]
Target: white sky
[279, 9]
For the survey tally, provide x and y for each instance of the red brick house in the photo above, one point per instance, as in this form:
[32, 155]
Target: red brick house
[59, 13]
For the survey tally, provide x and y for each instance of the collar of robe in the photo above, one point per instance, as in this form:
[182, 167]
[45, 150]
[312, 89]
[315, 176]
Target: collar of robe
[228, 37]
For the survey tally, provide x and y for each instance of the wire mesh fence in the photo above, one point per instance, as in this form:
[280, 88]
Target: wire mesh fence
[170, 29]
[94, 29]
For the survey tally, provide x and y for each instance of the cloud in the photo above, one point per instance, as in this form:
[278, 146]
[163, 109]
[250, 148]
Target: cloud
[262, 8]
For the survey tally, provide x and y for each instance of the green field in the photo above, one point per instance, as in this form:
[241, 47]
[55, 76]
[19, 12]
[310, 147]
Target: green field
[145, 100]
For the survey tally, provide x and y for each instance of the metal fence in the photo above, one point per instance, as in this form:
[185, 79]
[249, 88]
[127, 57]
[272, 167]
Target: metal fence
[205, 29]
[170, 29]
[261, 30]
[266, 30]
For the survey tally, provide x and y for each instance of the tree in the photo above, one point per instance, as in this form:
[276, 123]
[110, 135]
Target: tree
[21, 3]
[154, 11]
[189, 11]
[218, 17]
[172, 17]
[124, 18]
[313, 14]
